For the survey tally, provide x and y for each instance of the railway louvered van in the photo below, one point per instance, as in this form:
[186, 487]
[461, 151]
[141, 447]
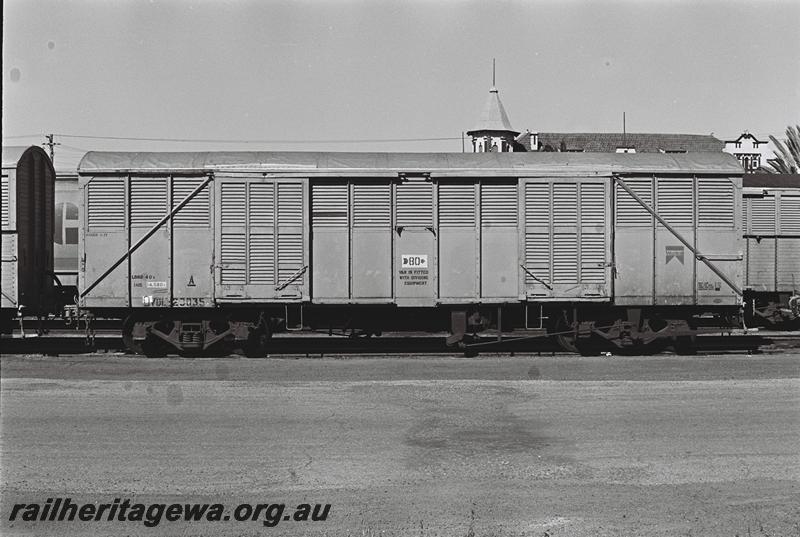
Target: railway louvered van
[771, 225]
[204, 252]
[27, 234]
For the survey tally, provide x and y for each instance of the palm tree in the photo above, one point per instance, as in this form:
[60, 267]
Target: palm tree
[787, 157]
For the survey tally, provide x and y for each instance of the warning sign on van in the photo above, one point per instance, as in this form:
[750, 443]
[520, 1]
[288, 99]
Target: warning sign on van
[414, 261]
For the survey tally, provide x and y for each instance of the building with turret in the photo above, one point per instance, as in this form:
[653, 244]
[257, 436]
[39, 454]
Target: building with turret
[494, 133]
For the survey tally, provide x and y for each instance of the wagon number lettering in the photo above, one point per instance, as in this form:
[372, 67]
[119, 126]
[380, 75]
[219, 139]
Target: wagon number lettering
[188, 302]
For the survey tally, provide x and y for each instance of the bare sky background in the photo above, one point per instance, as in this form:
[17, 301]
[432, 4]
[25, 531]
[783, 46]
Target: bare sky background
[307, 72]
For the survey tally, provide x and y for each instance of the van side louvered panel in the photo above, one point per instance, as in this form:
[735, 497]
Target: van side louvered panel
[372, 205]
[790, 215]
[106, 203]
[788, 265]
[593, 204]
[9, 271]
[414, 204]
[5, 201]
[457, 205]
[629, 211]
[537, 257]
[676, 201]
[233, 210]
[762, 215]
[196, 213]
[233, 256]
[565, 204]
[262, 204]
[715, 203]
[593, 258]
[290, 204]
[537, 204]
[290, 255]
[745, 215]
[329, 204]
[565, 258]
[499, 204]
[761, 263]
[148, 201]
[262, 258]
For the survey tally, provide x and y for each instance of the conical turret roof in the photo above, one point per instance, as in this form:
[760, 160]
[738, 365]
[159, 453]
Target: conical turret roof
[493, 117]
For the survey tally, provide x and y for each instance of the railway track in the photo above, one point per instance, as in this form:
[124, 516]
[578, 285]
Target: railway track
[109, 341]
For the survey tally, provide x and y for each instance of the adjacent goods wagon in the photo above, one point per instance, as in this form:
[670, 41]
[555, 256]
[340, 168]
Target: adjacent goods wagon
[65, 233]
[205, 250]
[27, 233]
[771, 225]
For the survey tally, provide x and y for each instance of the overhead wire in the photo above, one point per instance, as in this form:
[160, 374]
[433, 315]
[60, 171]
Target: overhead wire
[73, 148]
[223, 141]
[23, 136]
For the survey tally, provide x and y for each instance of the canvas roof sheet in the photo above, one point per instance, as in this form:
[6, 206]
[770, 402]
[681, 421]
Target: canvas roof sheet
[452, 164]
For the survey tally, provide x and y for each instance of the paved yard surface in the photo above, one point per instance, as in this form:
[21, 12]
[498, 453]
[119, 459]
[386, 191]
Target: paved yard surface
[542, 446]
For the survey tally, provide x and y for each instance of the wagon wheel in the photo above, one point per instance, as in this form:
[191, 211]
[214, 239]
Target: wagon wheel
[633, 345]
[152, 347]
[257, 345]
[570, 342]
[565, 341]
[685, 346]
[127, 336]
[155, 347]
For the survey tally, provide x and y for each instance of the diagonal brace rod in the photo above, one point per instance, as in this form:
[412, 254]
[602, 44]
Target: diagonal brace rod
[532, 275]
[678, 236]
[291, 278]
[149, 234]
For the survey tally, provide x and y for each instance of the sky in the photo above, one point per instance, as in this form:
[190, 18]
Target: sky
[347, 75]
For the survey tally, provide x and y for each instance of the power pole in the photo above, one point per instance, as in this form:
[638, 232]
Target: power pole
[51, 144]
[624, 133]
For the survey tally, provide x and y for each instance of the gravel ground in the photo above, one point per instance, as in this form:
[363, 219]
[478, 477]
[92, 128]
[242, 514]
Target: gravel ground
[542, 446]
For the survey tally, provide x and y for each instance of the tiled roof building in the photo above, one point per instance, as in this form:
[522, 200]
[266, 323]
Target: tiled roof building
[613, 142]
[494, 133]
